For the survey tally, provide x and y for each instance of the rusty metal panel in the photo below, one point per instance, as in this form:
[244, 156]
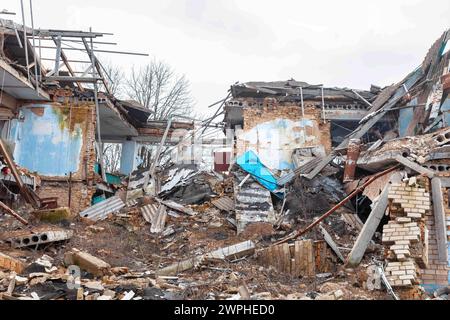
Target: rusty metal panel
[101, 210]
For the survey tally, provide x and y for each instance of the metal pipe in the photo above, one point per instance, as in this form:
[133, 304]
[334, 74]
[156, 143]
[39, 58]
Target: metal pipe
[40, 55]
[25, 40]
[362, 98]
[104, 51]
[34, 47]
[298, 233]
[18, 37]
[70, 189]
[303, 106]
[74, 61]
[97, 108]
[78, 41]
[323, 106]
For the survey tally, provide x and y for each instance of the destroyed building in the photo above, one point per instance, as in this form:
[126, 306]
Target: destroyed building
[287, 133]
[53, 121]
[316, 193]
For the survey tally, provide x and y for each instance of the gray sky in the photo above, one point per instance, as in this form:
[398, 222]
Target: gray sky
[215, 43]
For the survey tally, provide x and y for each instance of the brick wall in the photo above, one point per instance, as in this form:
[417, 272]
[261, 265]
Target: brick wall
[406, 235]
[81, 194]
[410, 238]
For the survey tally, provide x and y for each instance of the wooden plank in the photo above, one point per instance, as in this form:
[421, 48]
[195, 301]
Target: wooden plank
[439, 219]
[286, 258]
[414, 166]
[331, 243]
[366, 234]
[295, 272]
[311, 270]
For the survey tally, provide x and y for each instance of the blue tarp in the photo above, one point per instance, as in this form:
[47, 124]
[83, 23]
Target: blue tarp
[251, 164]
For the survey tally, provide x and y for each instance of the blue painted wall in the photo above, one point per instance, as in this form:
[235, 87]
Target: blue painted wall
[45, 141]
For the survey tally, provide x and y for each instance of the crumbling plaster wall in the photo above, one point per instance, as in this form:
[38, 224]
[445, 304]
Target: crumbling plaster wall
[55, 140]
[275, 130]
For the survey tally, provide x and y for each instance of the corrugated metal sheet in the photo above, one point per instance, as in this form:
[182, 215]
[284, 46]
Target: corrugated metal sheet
[253, 203]
[101, 210]
[149, 212]
[224, 203]
[132, 203]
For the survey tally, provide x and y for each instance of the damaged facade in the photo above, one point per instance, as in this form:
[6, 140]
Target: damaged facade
[335, 193]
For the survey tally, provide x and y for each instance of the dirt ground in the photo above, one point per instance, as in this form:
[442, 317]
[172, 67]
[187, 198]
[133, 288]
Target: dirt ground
[127, 242]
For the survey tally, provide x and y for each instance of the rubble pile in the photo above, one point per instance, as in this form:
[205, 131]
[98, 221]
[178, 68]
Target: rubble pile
[320, 194]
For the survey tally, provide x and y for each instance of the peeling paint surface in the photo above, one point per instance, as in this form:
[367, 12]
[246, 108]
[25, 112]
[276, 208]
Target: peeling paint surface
[274, 141]
[49, 138]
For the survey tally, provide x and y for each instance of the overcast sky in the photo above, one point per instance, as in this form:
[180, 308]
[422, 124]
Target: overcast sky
[347, 43]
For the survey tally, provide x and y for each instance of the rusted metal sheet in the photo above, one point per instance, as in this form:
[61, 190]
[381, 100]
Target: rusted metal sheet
[353, 152]
[224, 203]
[304, 169]
[177, 207]
[101, 210]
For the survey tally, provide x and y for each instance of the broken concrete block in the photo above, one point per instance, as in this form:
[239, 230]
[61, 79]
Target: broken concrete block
[229, 253]
[94, 285]
[37, 236]
[86, 262]
[233, 252]
[10, 263]
[53, 215]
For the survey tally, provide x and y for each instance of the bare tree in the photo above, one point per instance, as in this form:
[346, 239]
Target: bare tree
[111, 156]
[157, 87]
[115, 79]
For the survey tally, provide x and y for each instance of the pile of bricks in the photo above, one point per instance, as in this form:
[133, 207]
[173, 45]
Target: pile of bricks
[406, 234]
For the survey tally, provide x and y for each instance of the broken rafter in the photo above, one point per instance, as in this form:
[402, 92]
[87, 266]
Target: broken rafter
[359, 132]
[11, 212]
[298, 233]
[24, 190]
